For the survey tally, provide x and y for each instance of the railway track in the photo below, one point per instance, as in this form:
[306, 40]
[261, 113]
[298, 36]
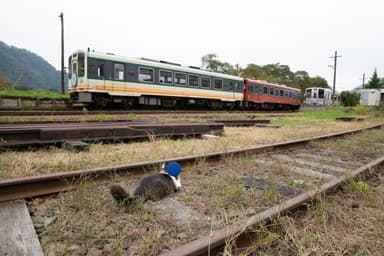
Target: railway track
[123, 112]
[51, 133]
[301, 159]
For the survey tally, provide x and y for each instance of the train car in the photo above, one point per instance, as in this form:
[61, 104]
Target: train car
[264, 95]
[317, 96]
[102, 79]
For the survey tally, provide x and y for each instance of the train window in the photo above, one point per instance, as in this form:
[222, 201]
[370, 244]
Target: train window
[231, 85]
[81, 64]
[265, 90]
[276, 92]
[270, 91]
[237, 87]
[285, 94]
[95, 68]
[205, 82]
[193, 80]
[165, 77]
[131, 74]
[281, 93]
[118, 71]
[290, 95]
[100, 70]
[146, 75]
[218, 83]
[180, 79]
[321, 94]
[70, 66]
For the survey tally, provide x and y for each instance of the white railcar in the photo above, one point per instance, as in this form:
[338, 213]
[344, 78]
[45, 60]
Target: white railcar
[316, 96]
[102, 79]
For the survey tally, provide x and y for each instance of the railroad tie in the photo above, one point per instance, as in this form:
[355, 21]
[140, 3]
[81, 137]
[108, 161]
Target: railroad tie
[18, 235]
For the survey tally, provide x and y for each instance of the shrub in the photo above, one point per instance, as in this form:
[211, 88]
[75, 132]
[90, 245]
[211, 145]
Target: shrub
[350, 99]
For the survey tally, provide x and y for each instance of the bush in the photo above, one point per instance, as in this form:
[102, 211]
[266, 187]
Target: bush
[363, 110]
[349, 99]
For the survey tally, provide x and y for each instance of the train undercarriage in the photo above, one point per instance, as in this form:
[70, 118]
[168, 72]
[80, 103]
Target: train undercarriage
[102, 100]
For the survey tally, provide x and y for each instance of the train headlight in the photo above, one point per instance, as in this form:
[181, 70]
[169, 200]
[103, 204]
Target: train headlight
[73, 80]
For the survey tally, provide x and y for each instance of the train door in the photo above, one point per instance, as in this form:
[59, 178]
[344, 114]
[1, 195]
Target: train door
[308, 96]
[73, 74]
[321, 98]
[118, 77]
[253, 92]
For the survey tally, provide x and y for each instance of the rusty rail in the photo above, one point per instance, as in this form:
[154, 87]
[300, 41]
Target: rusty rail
[47, 184]
[41, 112]
[20, 135]
[217, 239]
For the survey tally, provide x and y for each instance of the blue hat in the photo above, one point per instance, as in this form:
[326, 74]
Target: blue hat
[173, 169]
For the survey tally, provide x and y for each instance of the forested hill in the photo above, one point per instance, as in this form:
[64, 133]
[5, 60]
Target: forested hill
[37, 72]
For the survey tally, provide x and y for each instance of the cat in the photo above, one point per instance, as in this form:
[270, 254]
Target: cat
[152, 187]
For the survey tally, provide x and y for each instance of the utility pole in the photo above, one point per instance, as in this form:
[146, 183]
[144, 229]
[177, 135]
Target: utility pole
[334, 77]
[62, 52]
[363, 81]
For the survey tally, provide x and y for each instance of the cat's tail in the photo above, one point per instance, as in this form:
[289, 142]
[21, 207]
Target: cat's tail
[120, 194]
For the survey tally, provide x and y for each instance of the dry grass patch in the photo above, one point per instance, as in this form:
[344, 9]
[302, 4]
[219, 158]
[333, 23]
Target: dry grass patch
[88, 220]
[345, 223]
[49, 160]
[364, 146]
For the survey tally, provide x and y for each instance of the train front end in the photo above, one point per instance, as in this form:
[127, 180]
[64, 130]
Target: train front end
[78, 86]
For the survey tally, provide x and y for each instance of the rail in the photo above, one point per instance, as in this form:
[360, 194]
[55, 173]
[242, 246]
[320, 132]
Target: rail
[28, 187]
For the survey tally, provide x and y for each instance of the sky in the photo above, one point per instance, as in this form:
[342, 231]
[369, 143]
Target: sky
[302, 34]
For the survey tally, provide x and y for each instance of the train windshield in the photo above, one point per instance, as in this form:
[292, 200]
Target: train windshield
[321, 94]
[80, 60]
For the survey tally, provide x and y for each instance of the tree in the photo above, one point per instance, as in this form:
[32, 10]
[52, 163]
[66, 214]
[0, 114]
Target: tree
[349, 99]
[375, 82]
[275, 73]
[210, 63]
[317, 81]
[3, 82]
[300, 79]
[254, 71]
[281, 73]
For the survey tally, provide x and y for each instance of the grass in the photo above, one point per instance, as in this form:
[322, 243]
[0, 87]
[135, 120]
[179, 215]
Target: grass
[333, 226]
[88, 218]
[323, 117]
[33, 94]
[18, 163]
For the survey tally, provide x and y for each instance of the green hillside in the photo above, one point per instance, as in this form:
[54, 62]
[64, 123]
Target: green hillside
[37, 72]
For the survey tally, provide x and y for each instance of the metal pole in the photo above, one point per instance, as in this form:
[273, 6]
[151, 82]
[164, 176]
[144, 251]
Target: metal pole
[62, 52]
[334, 77]
[363, 80]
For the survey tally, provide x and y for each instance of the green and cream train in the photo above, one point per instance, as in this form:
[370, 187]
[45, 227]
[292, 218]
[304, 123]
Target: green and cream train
[102, 79]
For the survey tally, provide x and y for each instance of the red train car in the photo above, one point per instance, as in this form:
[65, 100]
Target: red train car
[264, 95]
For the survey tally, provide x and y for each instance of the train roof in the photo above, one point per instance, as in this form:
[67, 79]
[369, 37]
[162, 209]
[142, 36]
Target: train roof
[159, 64]
[282, 86]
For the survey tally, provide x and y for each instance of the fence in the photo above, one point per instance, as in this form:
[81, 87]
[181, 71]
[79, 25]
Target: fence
[12, 102]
